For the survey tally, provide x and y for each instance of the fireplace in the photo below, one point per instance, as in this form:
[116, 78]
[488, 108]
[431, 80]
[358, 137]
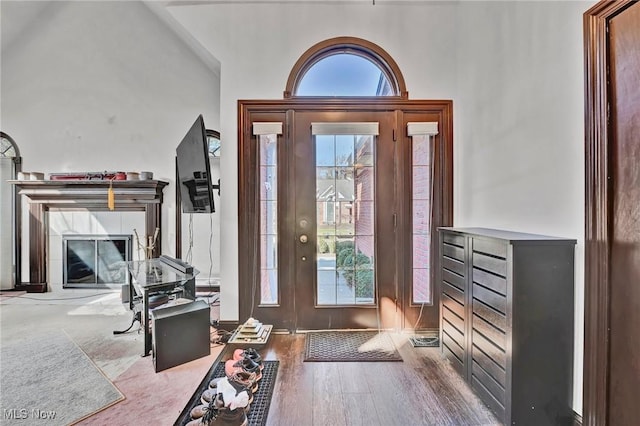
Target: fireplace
[95, 261]
[86, 195]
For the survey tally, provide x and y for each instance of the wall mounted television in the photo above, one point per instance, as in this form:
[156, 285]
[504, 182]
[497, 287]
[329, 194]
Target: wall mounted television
[194, 171]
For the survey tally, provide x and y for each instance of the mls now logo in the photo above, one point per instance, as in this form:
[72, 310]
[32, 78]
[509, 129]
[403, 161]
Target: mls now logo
[15, 414]
[43, 415]
[23, 413]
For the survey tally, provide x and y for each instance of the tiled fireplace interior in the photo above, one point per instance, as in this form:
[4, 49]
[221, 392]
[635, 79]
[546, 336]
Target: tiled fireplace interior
[83, 222]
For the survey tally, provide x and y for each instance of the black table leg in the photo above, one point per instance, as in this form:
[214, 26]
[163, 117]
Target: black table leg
[145, 320]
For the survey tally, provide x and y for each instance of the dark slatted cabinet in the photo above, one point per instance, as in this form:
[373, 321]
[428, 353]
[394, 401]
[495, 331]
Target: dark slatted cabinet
[453, 313]
[507, 322]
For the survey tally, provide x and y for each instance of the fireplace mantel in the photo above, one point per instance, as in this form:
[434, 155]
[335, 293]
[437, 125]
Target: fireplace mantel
[130, 195]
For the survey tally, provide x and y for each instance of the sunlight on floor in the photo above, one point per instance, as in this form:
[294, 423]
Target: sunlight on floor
[109, 304]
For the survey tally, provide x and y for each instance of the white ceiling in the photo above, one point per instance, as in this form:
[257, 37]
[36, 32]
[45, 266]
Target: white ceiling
[16, 16]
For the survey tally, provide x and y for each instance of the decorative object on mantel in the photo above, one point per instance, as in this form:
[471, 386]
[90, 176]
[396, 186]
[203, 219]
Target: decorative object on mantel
[146, 175]
[89, 176]
[30, 176]
[111, 197]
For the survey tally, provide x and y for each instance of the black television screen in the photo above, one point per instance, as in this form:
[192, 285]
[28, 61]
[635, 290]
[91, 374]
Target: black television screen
[194, 171]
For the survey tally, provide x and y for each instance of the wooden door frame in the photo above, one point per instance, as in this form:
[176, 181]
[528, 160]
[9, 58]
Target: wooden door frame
[283, 110]
[597, 208]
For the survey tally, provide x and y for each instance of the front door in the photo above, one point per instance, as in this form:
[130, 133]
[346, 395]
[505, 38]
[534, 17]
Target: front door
[344, 226]
[338, 209]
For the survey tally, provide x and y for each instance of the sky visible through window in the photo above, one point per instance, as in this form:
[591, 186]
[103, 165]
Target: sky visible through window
[341, 75]
[334, 150]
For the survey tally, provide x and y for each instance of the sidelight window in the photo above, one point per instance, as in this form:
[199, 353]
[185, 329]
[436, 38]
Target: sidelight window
[421, 209]
[267, 139]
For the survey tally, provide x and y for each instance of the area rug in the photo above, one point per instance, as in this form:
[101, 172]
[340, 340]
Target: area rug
[257, 415]
[47, 377]
[337, 346]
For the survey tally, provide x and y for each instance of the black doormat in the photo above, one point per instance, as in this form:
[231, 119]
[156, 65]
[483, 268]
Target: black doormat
[337, 346]
[257, 415]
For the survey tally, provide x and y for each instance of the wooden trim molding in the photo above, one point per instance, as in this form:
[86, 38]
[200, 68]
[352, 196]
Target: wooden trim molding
[350, 45]
[597, 202]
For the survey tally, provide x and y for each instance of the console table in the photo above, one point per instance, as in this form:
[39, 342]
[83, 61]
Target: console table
[130, 195]
[153, 276]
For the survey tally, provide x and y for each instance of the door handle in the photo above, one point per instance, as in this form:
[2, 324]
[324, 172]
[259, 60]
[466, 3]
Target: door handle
[304, 238]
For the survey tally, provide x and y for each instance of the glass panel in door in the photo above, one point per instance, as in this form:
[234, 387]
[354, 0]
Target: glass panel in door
[345, 215]
[344, 206]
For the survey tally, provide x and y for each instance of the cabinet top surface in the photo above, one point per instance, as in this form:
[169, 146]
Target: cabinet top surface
[151, 273]
[511, 236]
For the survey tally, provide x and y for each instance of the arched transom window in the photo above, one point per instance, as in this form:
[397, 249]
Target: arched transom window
[345, 67]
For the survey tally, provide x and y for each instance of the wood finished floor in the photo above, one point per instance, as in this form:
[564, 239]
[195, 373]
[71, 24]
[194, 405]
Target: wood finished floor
[421, 390]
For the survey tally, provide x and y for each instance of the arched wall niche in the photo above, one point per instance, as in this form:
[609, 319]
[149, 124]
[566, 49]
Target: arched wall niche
[353, 46]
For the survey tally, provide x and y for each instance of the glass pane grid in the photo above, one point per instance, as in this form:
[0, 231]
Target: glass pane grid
[269, 286]
[268, 150]
[421, 150]
[421, 182]
[421, 218]
[268, 184]
[421, 294]
[345, 220]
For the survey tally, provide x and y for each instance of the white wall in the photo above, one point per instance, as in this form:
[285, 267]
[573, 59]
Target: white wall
[513, 70]
[94, 86]
[519, 137]
[258, 44]
[120, 92]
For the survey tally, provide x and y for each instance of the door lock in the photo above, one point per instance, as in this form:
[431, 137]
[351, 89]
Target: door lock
[304, 239]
